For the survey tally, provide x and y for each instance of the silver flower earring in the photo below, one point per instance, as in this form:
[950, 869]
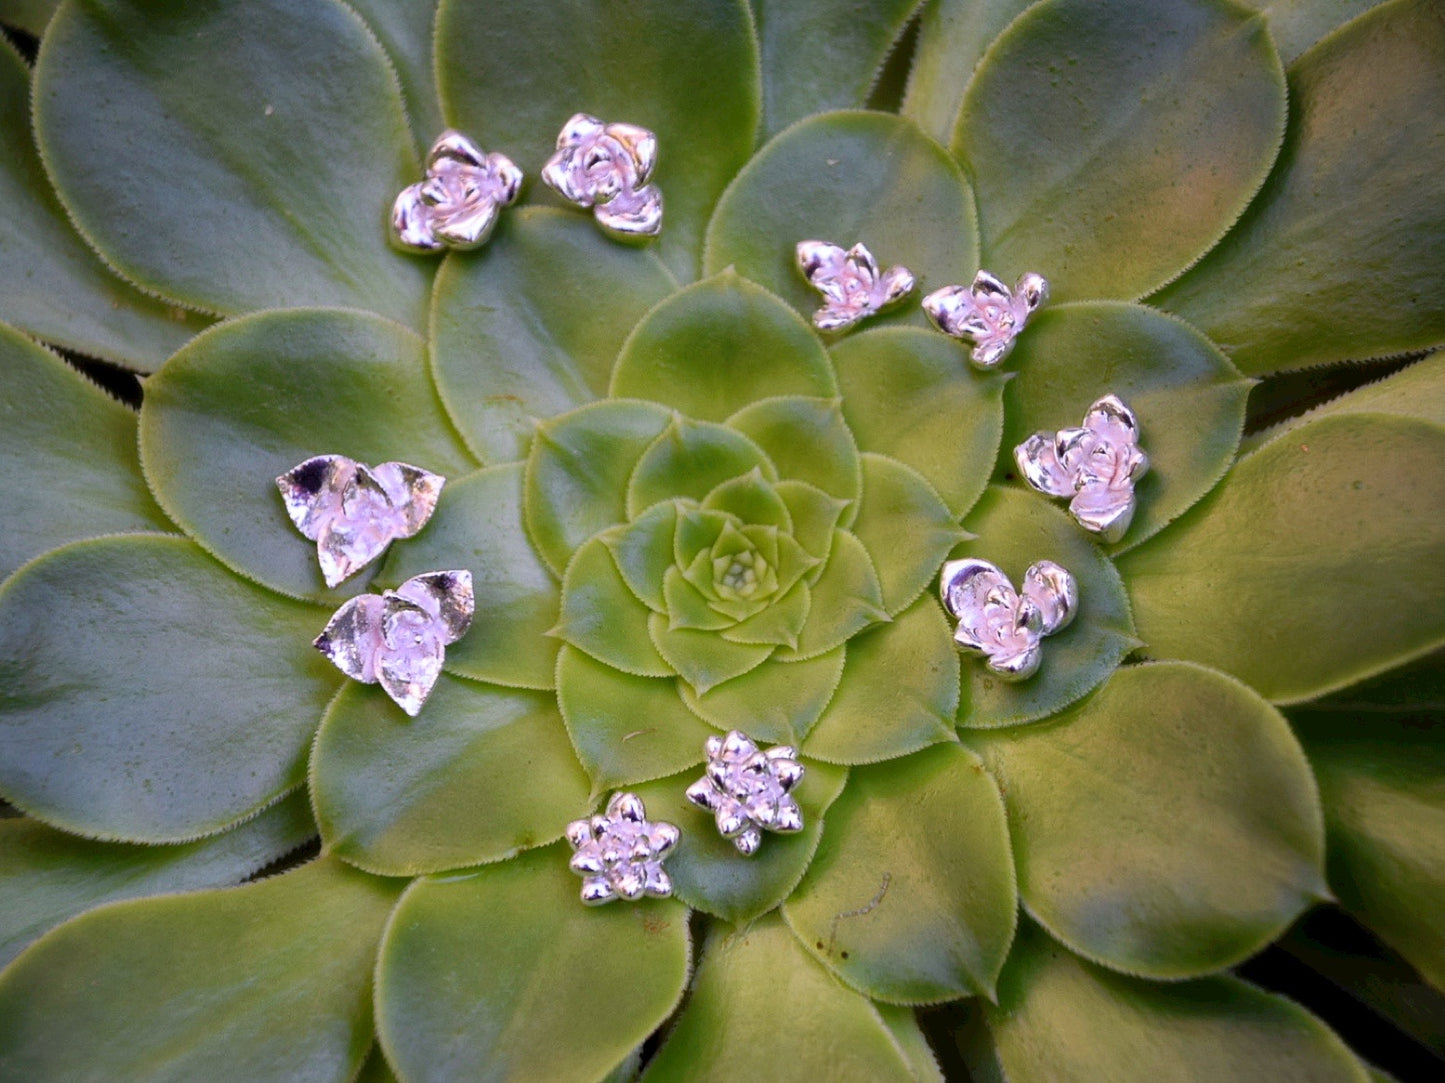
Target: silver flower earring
[1096, 464]
[353, 512]
[606, 167]
[619, 854]
[850, 282]
[748, 790]
[457, 204]
[1001, 624]
[988, 314]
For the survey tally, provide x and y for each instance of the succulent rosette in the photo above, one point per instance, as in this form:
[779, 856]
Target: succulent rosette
[684, 513]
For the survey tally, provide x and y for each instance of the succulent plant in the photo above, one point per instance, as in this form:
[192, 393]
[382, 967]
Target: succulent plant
[685, 512]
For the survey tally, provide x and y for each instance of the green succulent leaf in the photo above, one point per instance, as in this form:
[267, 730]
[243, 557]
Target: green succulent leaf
[1016, 529]
[906, 528]
[731, 1027]
[405, 31]
[203, 985]
[707, 871]
[876, 716]
[478, 526]
[778, 702]
[689, 459]
[503, 974]
[71, 469]
[1295, 25]
[1060, 1016]
[844, 178]
[1111, 147]
[908, 394]
[952, 37]
[1168, 826]
[484, 773]
[375, 1069]
[1314, 273]
[720, 345]
[688, 72]
[643, 550]
[252, 398]
[911, 896]
[702, 659]
[807, 440]
[29, 15]
[1187, 396]
[529, 327]
[1384, 799]
[817, 55]
[601, 616]
[578, 470]
[847, 597]
[285, 146]
[625, 729]
[1415, 391]
[123, 621]
[1358, 504]
[903, 1026]
[56, 288]
[47, 876]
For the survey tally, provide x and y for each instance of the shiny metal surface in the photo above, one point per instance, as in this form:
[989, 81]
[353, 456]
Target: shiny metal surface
[1001, 624]
[850, 282]
[748, 790]
[619, 854]
[607, 167]
[988, 313]
[456, 204]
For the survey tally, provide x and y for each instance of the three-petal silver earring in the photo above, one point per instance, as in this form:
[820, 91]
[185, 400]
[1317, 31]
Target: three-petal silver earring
[456, 205]
[606, 168]
[850, 282]
[619, 854]
[353, 512]
[1004, 625]
[748, 790]
[988, 313]
[399, 638]
[1096, 464]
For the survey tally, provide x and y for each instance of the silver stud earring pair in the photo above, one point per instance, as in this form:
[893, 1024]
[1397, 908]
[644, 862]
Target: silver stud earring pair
[619, 853]
[605, 168]
[353, 512]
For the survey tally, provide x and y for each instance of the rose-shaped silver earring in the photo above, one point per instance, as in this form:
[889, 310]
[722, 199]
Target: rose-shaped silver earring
[988, 314]
[399, 638]
[850, 283]
[606, 167]
[457, 204]
[1096, 465]
[1004, 625]
[353, 512]
[619, 854]
[749, 790]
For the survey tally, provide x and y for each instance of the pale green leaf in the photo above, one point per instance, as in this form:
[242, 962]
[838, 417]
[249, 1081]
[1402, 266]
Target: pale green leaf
[874, 715]
[478, 526]
[1111, 146]
[807, 440]
[952, 38]
[56, 287]
[405, 31]
[1295, 25]
[701, 658]
[1256, 578]
[1168, 826]
[1016, 529]
[530, 326]
[643, 551]
[511, 72]
[252, 398]
[47, 876]
[232, 157]
[1314, 272]
[137, 674]
[29, 15]
[689, 459]
[847, 597]
[625, 729]
[482, 773]
[778, 701]
[601, 616]
[267, 981]
[845, 178]
[759, 1002]
[906, 528]
[1188, 398]
[718, 346]
[71, 469]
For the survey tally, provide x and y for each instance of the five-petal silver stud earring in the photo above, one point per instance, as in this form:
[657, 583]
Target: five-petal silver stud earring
[988, 314]
[850, 282]
[619, 853]
[399, 638]
[748, 790]
[457, 204]
[1095, 464]
[1002, 624]
[606, 167]
[353, 512]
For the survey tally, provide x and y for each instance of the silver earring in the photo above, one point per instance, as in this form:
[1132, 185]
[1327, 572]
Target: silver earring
[988, 314]
[749, 790]
[619, 854]
[850, 282]
[1001, 624]
[606, 167]
[456, 205]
